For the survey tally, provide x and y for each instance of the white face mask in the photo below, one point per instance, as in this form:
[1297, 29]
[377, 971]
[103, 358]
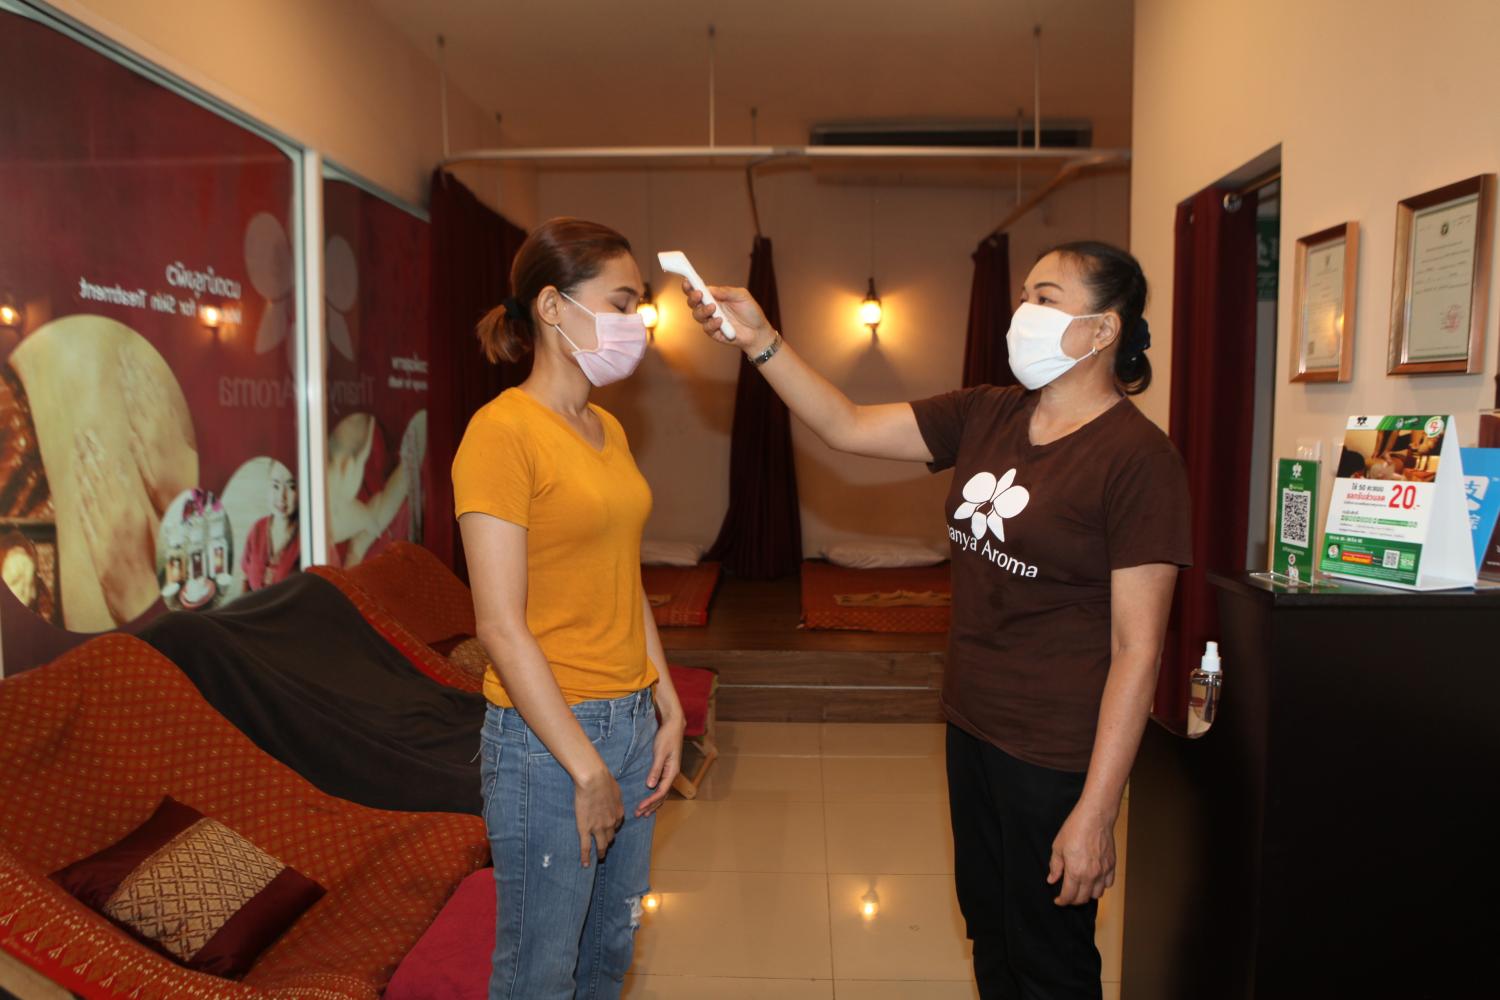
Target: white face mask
[1035, 344]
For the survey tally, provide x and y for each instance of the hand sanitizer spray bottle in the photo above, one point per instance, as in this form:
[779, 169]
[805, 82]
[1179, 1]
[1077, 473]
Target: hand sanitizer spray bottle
[1204, 685]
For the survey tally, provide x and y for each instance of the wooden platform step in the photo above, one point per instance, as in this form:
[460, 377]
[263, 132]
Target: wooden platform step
[785, 685]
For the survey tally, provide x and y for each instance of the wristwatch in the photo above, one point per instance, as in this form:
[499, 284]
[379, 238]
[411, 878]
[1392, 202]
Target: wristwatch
[768, 353]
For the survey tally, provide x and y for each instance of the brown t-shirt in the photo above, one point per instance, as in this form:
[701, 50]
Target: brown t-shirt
[1035, 532]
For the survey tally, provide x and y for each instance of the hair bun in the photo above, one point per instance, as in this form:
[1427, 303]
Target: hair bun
[1141, 339]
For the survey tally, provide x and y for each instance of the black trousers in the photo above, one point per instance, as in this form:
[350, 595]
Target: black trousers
[1006, 813]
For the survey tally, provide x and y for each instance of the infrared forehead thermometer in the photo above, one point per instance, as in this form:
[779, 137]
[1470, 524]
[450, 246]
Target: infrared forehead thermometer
[676, 262]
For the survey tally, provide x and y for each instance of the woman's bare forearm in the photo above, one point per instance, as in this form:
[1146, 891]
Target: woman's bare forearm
[1122, 719]
[528, 680]
[667, 702]
[879, 431]
[1140, 600]
[814, 400]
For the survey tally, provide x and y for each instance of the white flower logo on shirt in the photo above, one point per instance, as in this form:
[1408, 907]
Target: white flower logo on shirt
[989, 501]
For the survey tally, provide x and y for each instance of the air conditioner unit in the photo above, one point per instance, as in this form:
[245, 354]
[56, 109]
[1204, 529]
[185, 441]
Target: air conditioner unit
[997, 133]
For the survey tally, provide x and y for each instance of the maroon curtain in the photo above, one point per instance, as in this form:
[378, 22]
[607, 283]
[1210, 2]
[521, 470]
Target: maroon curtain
[1213, 402]
[472, 250]
[761, 538]
[986, 361]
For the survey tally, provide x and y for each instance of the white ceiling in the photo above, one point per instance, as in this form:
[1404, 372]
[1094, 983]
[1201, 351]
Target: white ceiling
[635, 72]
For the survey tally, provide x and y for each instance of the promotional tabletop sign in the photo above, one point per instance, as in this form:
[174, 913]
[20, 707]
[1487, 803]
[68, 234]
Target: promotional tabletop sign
[1482, 492]
[1293, 547]
[1397, 513]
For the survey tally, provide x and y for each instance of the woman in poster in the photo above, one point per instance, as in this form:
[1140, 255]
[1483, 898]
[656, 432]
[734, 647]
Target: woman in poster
[21, 568]
[272, 549]
[359, 515]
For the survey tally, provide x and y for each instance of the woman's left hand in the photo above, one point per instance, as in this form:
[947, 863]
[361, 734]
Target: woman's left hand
[1083, 856]
[666, 762]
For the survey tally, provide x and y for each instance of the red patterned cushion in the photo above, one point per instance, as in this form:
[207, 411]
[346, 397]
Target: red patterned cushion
[822, 583]
[681, 594]
[414, 585]
[452, 961]
[470, 658]
[695, 689]
[193, 889]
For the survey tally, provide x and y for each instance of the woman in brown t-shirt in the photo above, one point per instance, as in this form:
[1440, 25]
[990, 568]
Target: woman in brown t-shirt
[1068, 521]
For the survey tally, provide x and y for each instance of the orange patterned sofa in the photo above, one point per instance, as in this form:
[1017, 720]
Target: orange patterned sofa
[89, 746]
[414, 601]
[414, 584]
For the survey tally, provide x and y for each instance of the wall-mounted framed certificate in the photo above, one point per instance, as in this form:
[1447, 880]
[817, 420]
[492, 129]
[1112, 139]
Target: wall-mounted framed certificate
[1323, 296]
[1441, 282]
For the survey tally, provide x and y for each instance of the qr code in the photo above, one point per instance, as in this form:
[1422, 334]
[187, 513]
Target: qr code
[1295, 514]
[1392, 559]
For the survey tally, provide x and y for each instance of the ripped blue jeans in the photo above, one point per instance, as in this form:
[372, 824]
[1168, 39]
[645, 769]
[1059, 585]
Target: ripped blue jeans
[564, 931]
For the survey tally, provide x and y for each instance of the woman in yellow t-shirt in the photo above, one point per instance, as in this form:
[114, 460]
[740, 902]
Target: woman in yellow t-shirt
[551, 507]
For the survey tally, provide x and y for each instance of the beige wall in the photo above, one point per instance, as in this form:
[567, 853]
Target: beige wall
[678, 410]
[1371, 101]
[331, 74]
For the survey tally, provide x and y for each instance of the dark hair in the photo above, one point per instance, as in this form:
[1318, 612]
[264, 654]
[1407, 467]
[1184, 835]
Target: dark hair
[1117, 283]
[561, 252]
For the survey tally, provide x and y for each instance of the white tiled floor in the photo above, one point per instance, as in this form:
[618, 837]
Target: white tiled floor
[761, 878]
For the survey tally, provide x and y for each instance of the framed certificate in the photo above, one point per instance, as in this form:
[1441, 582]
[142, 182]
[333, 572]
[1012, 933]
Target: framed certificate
[1323, 296]
[1441, 282]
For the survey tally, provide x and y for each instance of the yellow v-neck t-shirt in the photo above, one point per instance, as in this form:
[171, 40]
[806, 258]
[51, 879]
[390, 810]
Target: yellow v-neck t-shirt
[583, 509]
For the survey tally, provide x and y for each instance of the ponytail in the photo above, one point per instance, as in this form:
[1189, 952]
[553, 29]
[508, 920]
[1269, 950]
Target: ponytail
[505, 333]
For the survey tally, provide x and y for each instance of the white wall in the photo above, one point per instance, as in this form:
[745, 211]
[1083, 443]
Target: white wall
[331, 74]
[1372, 101]
[679, 409]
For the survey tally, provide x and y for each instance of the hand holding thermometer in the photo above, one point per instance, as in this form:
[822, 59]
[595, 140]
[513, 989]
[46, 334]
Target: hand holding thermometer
[676, 262]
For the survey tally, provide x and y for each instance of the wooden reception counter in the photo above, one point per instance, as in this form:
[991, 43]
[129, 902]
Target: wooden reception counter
[1333, 833]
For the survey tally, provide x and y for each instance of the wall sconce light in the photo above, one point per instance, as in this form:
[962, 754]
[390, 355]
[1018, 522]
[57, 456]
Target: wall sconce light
[648, 311]
[211, 317]
[870, 311]
[651, 902]
[869, 904]
[10, 316]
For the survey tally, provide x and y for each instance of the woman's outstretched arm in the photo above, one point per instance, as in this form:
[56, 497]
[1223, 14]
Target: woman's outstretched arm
[887, 430]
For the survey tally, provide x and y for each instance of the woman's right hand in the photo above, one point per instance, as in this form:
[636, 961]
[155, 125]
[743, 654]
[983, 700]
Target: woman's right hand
[754, 332]
[599, 810]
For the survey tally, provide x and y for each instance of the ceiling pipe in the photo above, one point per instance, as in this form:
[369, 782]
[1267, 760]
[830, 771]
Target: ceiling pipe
[442, 44]
[1069, 172]
[741, 154]
[713, 108]
[1036, 57]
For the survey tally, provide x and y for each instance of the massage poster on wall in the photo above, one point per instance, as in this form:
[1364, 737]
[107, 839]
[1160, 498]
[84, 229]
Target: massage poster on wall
[146, 374]
[1397, 515]
[375, 286]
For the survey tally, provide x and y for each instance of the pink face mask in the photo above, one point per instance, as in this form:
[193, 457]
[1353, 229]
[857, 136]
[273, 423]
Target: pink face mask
[621, 344]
